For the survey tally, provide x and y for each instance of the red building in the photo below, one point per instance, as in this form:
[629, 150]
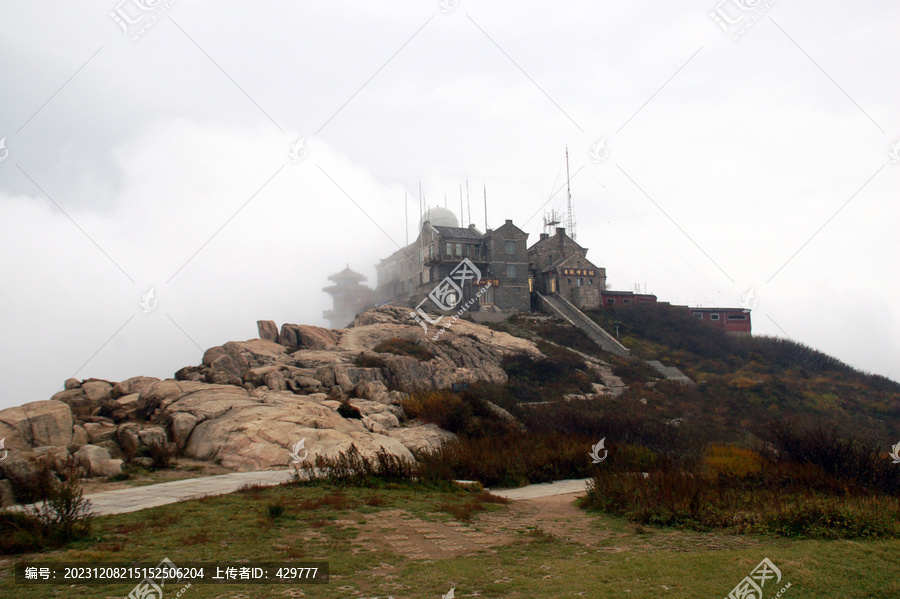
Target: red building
[612, 299]
[733, 320]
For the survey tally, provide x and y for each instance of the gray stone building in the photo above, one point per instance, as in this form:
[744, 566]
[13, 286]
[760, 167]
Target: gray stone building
[559, 265]
[493, 275]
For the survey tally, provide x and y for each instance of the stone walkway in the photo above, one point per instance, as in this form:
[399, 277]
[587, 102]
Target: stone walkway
[122, 501]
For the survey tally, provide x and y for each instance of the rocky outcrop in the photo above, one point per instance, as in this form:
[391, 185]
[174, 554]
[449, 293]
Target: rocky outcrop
[249, 402]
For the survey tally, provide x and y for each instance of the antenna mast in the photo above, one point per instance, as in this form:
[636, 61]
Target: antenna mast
[570, 220]
[485, 207]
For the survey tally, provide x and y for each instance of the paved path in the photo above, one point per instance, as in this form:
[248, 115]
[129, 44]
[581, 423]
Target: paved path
[560, 487]
[122, 501]
[133, 499]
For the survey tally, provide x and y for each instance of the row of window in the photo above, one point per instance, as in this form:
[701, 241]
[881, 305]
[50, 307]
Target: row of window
[580, 282]
[714, 316]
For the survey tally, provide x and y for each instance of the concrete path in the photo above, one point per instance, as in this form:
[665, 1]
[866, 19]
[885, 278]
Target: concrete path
[561, 487]
[133, 499]
[122, 501]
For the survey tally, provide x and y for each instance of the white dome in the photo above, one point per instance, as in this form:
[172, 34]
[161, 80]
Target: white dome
[441, 217]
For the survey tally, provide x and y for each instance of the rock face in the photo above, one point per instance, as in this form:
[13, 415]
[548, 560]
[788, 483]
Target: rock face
[35, 424]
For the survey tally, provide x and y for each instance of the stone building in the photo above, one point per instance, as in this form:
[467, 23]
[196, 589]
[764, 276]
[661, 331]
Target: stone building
[497, 260]
[349, 298]
[559, 265]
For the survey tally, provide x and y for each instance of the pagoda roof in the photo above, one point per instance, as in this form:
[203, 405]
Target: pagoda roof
[347, 274]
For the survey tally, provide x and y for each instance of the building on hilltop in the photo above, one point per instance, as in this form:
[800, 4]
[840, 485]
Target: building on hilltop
[560, 265]
[349, 298]
[497, 260]
[453, 269]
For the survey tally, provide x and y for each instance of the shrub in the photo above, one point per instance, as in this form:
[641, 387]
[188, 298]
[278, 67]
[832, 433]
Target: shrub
[731, 462]
[369, 361]
[348, 411]
[29, 486]
[404, 347]
[352, 468]
[63, 516]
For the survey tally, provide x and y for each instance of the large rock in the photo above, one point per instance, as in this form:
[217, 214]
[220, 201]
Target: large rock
[307, 336]
[98, 432]
[97, 391]
[135, 384]
[54, 457]
[96, 461]
[37, 423]
[82, 407]
[182, 425]
[258, 432]
[422, 437]
[268, 330]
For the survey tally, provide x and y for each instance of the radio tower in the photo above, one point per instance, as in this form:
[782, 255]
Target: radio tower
[570, 218]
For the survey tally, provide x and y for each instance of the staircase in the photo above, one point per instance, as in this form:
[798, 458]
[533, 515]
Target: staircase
[556, 305]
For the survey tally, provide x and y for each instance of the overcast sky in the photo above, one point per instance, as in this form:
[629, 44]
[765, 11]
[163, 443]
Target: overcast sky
[705, 163]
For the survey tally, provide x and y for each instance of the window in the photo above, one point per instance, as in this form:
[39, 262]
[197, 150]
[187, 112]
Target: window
[590, 281]
[459, 249]
[449, 248]
[579, 283]
[568, 281]
[610, 301]
[737, 317]
[714, 317]
[510, 247]
[517, 289]
[628, 301]
[698, 315]
[430, 251]
[511, 271]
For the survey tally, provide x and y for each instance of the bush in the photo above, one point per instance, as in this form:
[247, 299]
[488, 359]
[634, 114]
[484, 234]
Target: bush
[369, 361]
[353, 469]
[348, 411]
[403, 347]
[731, 462]
[29, 486]
[464, 414]
[64, 516]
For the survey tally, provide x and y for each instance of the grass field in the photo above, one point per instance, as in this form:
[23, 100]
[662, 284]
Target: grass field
[416, 541]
